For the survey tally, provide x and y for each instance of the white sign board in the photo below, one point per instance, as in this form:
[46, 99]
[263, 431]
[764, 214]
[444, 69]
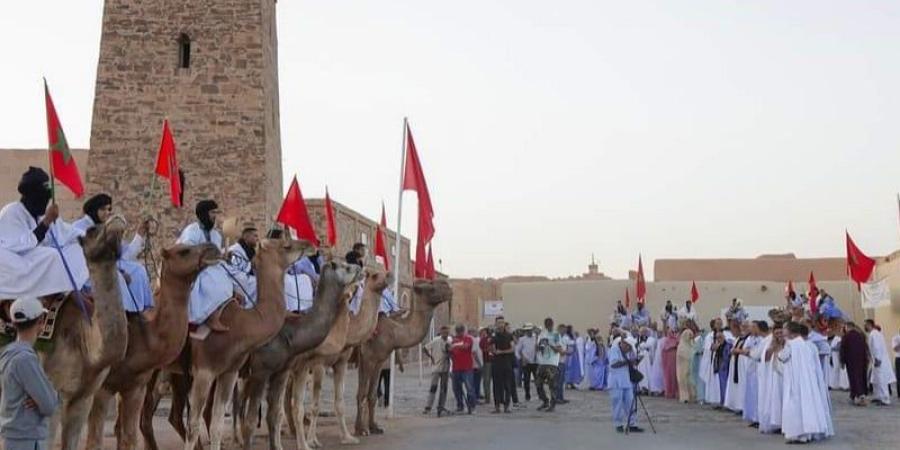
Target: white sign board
[876, 294]
[493, 308]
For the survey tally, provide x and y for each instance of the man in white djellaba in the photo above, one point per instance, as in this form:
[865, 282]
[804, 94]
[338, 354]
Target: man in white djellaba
[30, 266]
[806, 412]
[213, 286]
[881, 376]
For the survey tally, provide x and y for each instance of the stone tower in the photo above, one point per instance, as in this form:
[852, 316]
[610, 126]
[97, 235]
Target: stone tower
[211, 67]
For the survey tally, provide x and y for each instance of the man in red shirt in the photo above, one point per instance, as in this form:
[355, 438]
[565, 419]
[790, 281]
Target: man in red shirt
[463, 364]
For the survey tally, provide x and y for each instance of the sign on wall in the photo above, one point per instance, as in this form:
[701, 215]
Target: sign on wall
[493, 308]
[875, 294]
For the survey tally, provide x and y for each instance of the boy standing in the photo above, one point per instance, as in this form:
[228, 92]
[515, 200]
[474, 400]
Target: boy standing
[28, 398]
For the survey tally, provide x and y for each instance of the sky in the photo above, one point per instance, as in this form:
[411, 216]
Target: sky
[551, 131]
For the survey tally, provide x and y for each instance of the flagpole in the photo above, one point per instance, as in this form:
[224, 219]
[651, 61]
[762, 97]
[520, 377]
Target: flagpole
[397, 242]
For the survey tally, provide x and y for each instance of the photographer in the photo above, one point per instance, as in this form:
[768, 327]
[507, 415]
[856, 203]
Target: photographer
[621, 358]
[549, 347]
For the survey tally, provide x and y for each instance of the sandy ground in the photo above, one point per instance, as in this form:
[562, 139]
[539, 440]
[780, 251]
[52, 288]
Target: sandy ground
[585, 423]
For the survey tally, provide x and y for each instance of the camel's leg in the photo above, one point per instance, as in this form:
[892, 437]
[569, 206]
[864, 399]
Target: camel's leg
[129, 415]
[224, 388]
[251, 396]
[76, 414]
[181, 389]
[372, 398]
[289, 406]
[300, 373]
[97, 418]
[275, 414]
[362, 395]
[318, 373]
[238, 404]
[151, 402]
[340, 370]
[199, 391]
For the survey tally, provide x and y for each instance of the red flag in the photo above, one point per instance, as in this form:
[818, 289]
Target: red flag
[813, 294]
[414, 180]
[859, 266]
[430, 274]
[789, 288]
[695, 294]
[640, 289]
[62, 164]
[167, 164]
[627, 299]
[380, 241]
[293, 214]
[329, 216]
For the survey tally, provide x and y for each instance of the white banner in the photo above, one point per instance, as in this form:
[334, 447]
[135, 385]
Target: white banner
[493, 308]
[876, 294]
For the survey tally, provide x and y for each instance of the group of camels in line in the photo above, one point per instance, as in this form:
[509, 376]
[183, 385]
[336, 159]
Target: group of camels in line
[265, 351]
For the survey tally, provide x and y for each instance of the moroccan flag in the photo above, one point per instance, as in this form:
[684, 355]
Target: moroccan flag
[167, 165]
[62, 163]
[627, 299]
[640, 289]
[329, 216]
[859, 266]
[414, 180]
[381, 241]
[695, 294]
[430, 273]
[293, 214]
[813, 295]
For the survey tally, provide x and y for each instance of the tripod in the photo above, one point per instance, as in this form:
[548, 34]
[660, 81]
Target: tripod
[634, 409]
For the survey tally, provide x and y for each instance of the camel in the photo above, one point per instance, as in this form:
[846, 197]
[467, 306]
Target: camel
[153, 343]
[82, 350]
[362, 325]
[394, 334]
[216, 359]
[270, 363]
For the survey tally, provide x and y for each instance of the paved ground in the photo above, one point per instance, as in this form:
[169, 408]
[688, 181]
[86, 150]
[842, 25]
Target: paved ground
[585, 423]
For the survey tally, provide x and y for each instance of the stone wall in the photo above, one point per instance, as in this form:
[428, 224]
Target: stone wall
[768, 267]
[223, 108]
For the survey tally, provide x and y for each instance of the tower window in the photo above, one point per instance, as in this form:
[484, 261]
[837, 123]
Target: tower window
[184, 51]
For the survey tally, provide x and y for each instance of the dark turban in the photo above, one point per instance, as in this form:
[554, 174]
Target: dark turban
[35, 189]
[94, 204]
[202, 210]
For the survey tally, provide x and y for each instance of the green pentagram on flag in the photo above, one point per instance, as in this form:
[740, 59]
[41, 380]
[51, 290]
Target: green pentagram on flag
[62, 145]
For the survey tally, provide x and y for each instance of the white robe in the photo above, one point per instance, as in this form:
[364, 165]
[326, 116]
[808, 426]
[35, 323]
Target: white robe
[213, 286]
[837, 377]
[708, 373]
[771, 389]
[883, 375]
[646, 350]
[705, 363]
[758, 369]
[806, 412]
[241, 269]
[657, 377]
[734, 392]
[29, 268]
[298, 291]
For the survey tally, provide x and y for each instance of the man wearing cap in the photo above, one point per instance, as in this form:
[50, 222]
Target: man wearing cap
[134, 281]
[213, 287]
[29, 399]
[29, 266]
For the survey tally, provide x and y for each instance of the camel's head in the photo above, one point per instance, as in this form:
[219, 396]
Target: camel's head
[102, 242]
[377, 280]
[434, 292]
[187, 261]
[284, 252]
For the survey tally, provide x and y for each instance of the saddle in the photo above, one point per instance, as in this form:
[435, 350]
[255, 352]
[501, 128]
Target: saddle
[53, 304]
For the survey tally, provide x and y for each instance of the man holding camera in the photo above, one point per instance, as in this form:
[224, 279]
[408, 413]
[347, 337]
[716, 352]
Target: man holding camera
[549, 346]
[621, 358]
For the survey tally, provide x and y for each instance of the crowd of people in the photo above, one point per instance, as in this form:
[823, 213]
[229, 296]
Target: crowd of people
[775, 373]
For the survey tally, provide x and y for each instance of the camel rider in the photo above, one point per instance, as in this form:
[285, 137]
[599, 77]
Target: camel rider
[134, 281]
[213, 286]
[357, 256]
[240, 258]
[29, 265]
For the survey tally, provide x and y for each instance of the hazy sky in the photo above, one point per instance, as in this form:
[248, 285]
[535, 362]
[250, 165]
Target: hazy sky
[553, 130]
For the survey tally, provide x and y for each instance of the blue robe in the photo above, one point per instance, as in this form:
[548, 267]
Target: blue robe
[136, 295]
[595, 361]
[722, 370]
[573, 365]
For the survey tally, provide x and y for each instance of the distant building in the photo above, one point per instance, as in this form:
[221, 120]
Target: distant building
[786, 267]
